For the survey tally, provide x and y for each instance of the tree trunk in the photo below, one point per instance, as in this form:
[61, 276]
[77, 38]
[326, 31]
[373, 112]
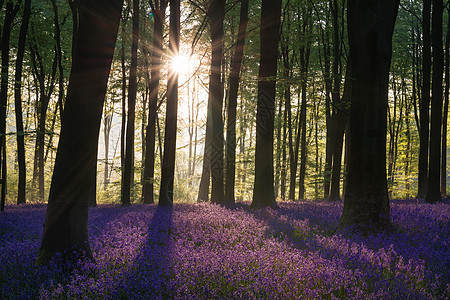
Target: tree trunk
[66, 219]
[445, 116]
[10, 14]
[150, 137]
[263, 191]
[21, 197]
[425, 103]
[233, 84]
[433, 186]
[338, 117]
[216, 14]
[107, 120]
[305, 51]
[370, 29]
[128, 171]
[203, 190]
[168, 163]
[124, 95]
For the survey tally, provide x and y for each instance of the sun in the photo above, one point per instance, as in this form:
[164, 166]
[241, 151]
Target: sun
[180, 64]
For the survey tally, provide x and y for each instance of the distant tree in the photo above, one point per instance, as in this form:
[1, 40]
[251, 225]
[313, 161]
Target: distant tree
[370, 30]
[66, 218]
[433, 186]
[263, 191]
[170, 136]
[18, 103]
[159, 13]
[445, 115]
[132, 91]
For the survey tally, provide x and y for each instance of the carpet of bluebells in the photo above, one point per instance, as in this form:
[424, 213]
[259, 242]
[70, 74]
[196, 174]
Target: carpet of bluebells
[205, 251]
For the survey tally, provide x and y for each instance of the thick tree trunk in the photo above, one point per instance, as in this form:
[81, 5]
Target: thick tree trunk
[233, 84]
[216, 13]
[150, 138]
[21, 197]
[168, 163]
[433, 186]
[263, 191]
[66, 219]
[128, 171]
[425, 103]
[370, 29]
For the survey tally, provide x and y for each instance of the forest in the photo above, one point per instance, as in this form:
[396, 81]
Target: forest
[224, 149]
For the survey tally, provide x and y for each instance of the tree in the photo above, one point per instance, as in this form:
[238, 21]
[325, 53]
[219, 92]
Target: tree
[168, 163]
[445, 115]
[66, 218]
[236, 62]
[128, 170]
[18, 104]
[216, 13]
[425, 103]
[150, 137]
[263, 191]
[370, 30]
[433, 185]
[11, 11]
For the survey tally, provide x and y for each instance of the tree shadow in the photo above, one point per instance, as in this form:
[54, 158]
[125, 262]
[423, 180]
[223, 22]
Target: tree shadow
[151, 273]
[379, 254]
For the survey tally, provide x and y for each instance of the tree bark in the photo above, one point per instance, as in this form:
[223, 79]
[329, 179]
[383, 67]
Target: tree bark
[424, 105]
[168, 163]
[216, 14]
[150, 138]
[263, 191]
[445, 116]
[10, 14]
[370, 29]
[433, 185]
[21, 188]
[128, 171]
[233, 84]
[66, 218]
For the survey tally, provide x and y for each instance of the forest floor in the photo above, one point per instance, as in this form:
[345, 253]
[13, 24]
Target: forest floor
[206, 251]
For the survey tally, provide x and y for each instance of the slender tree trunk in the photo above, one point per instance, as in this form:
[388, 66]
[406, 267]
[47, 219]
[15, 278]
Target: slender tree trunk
[263, 192]
[305, 51]
[128, 171]
[168, 163]
[445, 116]
[74, 5]
[106, 133]
[425, 103]
[433, 186]
[10, 14]
[66, 218]
[21, 197]
[58, 51]
[370, 29]
[283, 157]
[236, 62]
[124, 95]
[45, 93]
[203, 190]
[150, 138]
